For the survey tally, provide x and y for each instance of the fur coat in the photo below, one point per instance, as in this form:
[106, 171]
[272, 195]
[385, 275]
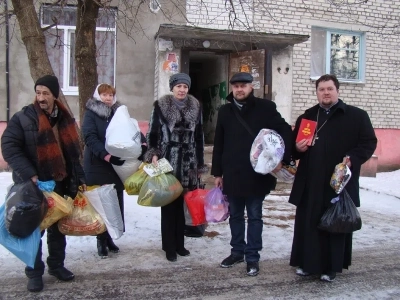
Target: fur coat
[177, 135]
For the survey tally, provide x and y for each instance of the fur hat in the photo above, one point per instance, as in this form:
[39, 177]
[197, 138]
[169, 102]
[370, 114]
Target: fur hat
[50, 82]
[179, 78]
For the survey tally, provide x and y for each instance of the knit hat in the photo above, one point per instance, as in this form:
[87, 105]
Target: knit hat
[51, 82]
[179, 78]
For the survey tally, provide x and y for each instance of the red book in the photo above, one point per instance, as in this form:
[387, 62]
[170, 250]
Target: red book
[306, 131]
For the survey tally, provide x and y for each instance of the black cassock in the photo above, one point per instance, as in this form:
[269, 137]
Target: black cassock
[313, 250]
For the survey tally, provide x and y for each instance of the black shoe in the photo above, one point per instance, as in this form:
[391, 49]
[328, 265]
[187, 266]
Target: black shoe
[102, 248]
[183, 252]
[253, 268]
[35, 284]
[171, 256]
[62, 274]
[231, 260]
[329, 276]
[111, 246]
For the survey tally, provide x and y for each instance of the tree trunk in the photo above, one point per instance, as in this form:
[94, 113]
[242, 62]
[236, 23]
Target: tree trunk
[35, 42]
[85, 51]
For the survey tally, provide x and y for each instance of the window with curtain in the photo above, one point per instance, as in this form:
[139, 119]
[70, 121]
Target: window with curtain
[338, 52]
[60, 44]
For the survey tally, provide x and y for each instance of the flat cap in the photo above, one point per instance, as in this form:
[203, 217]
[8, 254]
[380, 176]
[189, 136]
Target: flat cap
[241, 77]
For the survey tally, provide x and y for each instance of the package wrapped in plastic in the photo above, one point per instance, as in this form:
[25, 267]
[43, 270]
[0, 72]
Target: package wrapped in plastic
[286, 173]
[123, 136]
[58, 208]
[216, 207]
[105, 201]
[194, 207]
[26, 207]
[83, 220]
[267, 151]
[160, 190]
[340, 177]
[130, 166]
[23, 248]
[134, 183]
[342, 216]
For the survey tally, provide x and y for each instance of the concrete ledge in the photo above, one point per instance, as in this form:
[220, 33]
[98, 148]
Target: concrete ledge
[370, 167]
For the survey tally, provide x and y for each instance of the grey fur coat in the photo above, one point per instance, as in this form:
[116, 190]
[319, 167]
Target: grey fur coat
[177, 135]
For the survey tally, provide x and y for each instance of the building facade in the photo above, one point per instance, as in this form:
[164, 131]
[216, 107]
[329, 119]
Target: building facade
[286, 45]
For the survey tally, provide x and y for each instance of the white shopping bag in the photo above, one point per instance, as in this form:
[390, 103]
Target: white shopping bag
[123, 138]
[105, 201]
[130, 166]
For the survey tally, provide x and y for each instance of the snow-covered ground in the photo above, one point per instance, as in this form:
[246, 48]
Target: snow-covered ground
[141, 243]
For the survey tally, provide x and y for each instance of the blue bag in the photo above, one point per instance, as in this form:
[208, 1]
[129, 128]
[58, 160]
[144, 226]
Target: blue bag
[23, 248]
[46, 186]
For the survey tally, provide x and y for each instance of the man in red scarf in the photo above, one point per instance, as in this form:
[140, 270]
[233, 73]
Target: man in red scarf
[41, 142]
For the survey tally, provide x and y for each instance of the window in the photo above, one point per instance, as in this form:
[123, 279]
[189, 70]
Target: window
[60, 45]
[338, 52]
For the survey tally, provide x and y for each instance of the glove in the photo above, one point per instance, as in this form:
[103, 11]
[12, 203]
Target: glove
[144, 149]
[116, 161]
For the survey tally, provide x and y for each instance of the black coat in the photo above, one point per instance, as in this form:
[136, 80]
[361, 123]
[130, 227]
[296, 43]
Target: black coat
[232, 144]
[95, 122]
[18, 146]
[348, 131]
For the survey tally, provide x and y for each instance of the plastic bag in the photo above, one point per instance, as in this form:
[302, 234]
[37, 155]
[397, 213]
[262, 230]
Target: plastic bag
[159, 191]
[58, 209]
[266, 151]
[46, 186]
[26, 207]
[123, 136]
[105, 201]
[287, 173]
[340, 177]
[83, 220]
[342, 216]
[134, 183]
[23, 248]
[194, 207]
[216, 207]
[130, 166]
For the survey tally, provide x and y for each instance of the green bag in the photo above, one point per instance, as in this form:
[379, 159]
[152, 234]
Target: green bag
[134, 183]
[159, 190]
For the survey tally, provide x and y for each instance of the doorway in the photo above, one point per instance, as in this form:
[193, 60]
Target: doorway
[209, 74]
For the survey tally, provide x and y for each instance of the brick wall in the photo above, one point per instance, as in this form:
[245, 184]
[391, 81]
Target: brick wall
[379, 95]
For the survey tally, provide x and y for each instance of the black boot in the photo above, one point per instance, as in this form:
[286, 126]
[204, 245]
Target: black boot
[35, 284]
[102, 246]
[111, 246]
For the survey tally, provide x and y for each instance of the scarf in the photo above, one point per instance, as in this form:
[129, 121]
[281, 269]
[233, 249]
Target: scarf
[180, 104]
[50, 158]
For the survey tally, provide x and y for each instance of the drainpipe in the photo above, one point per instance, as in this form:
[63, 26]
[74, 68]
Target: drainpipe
[7, 60]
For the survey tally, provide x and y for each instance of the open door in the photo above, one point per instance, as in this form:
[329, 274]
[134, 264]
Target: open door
[252, 62]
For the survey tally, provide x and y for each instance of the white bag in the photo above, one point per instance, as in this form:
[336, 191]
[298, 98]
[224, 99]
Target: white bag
[105, 201]
[267, 151]
[123, 137]
[130, 166]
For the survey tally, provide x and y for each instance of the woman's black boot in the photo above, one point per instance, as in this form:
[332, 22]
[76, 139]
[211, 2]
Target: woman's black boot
[102, 246]
[111, 246]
